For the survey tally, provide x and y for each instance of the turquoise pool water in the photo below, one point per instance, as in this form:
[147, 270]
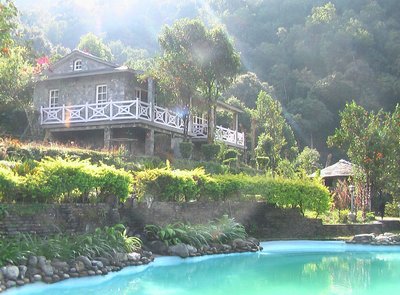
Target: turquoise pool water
[287, 267]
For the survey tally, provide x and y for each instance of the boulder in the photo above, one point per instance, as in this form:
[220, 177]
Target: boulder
[120, 257]
[79, 266]
[10, 284]
[134, 256]
[86, 261]
[254, 241]
[158, 247]
[47, 270]
[180, 250]
[363, 238]
[239, 243]
[192, 250]
[97, 263]
[22, 271]
[104, 260]
[61, 265]
[11, 272]
[32, 261]
[37, 278]
[41, 260]
[147, 254]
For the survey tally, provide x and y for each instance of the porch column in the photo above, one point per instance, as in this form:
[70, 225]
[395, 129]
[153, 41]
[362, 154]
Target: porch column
[150, 90]
[149, 143]
[235, 121]
[175, 141]
[107, 138]
[48, 136]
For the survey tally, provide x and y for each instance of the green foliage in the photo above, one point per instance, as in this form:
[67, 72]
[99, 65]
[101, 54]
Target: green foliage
[276, 140]
[180, 185]
[102, 242]
[8, 13]
[307, 160]
[186, 149]
[170, 185]
[9, 183]
[370, 216]
[323, 14]
[64, 180]
[371, 141]
[210, 151]
[196, 60]
[94, 45]
[392, 209]
[222, 230]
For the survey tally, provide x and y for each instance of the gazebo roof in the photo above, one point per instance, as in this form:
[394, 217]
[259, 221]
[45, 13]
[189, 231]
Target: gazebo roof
[342, 168]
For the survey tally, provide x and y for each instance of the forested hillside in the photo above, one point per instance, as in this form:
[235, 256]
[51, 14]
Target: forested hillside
[311, 55]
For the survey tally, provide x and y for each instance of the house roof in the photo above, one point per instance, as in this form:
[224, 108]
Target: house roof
[87, 55]
[228, 107]
[342, 168]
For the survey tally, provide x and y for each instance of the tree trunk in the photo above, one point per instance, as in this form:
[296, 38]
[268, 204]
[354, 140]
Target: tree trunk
[210, 122]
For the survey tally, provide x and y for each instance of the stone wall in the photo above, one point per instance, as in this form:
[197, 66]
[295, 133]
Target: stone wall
[50, 219]
[260, 219]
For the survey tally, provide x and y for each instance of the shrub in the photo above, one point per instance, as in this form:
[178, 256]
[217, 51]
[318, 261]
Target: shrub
[102, 242]
[392, 209]
[67, 180]
[210, 151]
[10, 184]
[223, 230]
[186, 149]
[170, 185]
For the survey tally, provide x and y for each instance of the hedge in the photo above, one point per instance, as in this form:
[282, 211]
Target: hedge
[64, 180]
[188, 185]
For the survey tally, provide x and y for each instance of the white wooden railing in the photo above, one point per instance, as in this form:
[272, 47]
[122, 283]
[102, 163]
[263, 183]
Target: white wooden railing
[138, 110]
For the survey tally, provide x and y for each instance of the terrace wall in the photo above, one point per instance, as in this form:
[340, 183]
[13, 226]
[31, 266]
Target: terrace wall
[261, 220]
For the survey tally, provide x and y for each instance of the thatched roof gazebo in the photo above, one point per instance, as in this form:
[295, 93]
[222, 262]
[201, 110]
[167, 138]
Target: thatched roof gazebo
[338, 171]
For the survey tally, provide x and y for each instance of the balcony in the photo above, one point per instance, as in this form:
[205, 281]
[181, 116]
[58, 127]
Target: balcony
[137, 110]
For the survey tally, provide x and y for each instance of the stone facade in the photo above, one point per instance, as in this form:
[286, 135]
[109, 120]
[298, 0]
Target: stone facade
[81, 90]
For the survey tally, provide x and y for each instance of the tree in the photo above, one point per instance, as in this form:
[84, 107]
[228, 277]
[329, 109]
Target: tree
[246, 88]
[371, 141]
[94, 45]
[219, 64]
[178, 68]
[16, 81]
[307, 160]
[197, 59]
[274, 142]
[8, 13]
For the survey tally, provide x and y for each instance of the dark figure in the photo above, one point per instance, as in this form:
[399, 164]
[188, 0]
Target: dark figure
[382, 208]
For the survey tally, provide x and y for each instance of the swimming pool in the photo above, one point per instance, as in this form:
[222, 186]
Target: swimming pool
[283, 267]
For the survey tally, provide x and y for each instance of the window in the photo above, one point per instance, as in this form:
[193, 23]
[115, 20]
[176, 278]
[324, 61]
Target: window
[53, 98]
[141, 94]
[101, 94]
[78, 65]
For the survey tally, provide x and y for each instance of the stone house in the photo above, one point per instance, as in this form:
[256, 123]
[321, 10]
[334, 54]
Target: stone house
[95, 103]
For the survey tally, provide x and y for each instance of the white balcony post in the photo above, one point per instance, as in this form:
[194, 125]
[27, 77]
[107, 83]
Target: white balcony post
[86, 111]
[41, 115]
[236, 137]
[63, 114]
[137, 108]
[151, 111]
[111, 109]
